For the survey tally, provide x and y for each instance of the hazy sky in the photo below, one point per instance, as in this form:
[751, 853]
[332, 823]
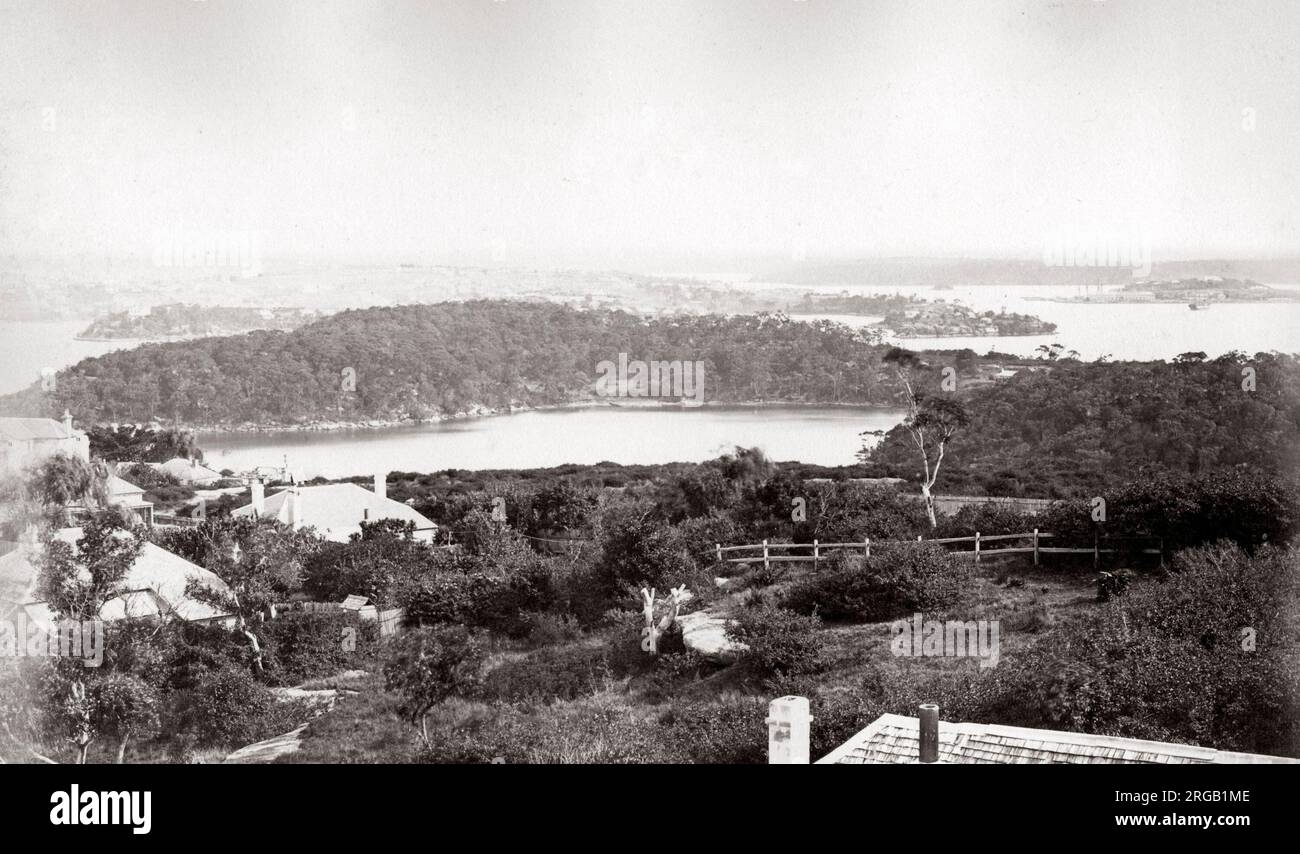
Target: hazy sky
[567, 131]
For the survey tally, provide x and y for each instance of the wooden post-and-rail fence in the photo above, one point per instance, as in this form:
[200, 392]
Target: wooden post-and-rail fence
[768, 552]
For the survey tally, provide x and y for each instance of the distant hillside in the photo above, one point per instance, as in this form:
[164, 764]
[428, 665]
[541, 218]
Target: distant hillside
[192, 321]
[1081, 428]
[425, 361]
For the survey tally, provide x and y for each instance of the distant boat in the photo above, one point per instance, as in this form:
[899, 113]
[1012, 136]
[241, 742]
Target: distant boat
[1194, 307]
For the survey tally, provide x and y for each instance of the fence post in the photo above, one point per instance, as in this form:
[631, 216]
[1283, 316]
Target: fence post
[1035, 547]
[816, 554]
[1096, 550]
[867, 544]
[718, 547]
[977, 547]
[765, 562]
[1162, 552]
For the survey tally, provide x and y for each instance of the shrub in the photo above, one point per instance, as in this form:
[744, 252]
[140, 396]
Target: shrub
[988, 519]
[228, 707]
[494, 602]
[730, 732]
[779, 641]
[547, 629]
[640, 551]
[898, 578]
[1112, 584]
[300, 646]
[625, 655]
[1126, 668]
[549, 674]
[426, 666]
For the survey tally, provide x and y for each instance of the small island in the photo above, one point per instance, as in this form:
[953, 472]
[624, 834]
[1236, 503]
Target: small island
[953, 320]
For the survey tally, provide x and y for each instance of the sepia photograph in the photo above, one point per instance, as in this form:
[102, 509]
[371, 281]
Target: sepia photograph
[453, 383]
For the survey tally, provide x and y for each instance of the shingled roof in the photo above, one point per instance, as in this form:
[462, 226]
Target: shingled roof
[895, 739]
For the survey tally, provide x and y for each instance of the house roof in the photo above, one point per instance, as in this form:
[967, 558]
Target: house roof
[337, 509]
[26, 429]
[187, 470]
[155, 584]
[119, 488]
[895, 739]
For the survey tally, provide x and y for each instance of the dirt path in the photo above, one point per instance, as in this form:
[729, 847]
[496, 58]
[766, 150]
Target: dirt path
[271, 749]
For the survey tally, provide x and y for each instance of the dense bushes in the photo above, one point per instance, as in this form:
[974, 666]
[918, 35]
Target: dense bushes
[639, 550]
[898, 579]
[564, 673]
[1218, 623]
[228, 707]
[779, 642]
[301, 646]
[495, 602]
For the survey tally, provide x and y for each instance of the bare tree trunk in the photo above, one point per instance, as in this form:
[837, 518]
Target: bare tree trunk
[929, 505]
[253, 642]
[121, 751]
[82, 749]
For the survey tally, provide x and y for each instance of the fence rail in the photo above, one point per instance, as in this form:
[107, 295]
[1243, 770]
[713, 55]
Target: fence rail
[764, 552]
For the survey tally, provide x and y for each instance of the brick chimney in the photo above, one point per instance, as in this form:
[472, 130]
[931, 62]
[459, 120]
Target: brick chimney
[789, 725]
[381, 485]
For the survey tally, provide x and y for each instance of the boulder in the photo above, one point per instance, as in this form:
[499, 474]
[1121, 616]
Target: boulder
[705, 633]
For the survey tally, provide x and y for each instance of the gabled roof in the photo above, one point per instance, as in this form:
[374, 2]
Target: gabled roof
[337, 509]
[26, 429]
[187, 470]
[894, 739]
[156, 583]
[119, 488]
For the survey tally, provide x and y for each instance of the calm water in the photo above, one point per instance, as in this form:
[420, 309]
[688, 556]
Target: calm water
[1133, 331]
[536, 439]
[27, 348]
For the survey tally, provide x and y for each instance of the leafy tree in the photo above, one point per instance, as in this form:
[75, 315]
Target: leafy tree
[126, 708]
[77, 582]
[261, 563]
[60, 480]
[429, 665]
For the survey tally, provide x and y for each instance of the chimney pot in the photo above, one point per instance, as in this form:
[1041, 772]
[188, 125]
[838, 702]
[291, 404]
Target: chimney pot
[929, 718]
[788, 728]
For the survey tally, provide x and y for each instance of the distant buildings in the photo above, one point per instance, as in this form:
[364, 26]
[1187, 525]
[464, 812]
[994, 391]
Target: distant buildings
[29, 441]
[335, 510]
[188, 472]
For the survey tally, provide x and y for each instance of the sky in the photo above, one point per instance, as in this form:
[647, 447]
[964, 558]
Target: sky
[650, 133]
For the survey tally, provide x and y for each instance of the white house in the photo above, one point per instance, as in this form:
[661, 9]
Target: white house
[335, 510]
[188, 472]
[25, 441]
[155, 585]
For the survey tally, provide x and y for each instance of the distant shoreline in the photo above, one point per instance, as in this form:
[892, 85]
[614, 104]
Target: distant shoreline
[625, 403]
